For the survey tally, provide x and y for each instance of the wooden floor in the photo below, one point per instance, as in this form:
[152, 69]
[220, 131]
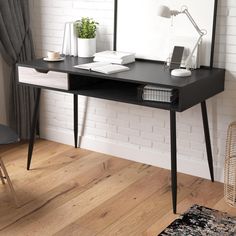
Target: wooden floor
[79, 192]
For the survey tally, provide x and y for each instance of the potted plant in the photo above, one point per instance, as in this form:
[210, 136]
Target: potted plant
[85, 30]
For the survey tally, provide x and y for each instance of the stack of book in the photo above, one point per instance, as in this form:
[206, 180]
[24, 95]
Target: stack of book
[115, 57]
[69, 46]
[158, 94]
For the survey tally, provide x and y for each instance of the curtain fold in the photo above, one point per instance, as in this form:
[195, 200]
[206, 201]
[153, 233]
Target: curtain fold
[16, 45]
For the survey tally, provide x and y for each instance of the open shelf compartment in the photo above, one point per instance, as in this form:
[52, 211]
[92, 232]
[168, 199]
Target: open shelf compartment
[120, 91]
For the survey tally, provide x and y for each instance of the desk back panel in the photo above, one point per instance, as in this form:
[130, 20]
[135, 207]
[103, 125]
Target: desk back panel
[138, 28]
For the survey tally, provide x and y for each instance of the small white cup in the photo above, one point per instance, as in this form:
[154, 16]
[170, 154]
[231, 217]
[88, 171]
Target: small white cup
[53, 55]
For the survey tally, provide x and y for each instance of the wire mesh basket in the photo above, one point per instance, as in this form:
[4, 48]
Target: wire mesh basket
[230, 166]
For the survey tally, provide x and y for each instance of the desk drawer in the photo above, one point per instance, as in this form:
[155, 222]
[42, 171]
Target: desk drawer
[51, 79]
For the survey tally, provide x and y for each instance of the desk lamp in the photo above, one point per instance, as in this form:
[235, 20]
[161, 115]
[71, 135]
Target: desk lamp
[165, 11]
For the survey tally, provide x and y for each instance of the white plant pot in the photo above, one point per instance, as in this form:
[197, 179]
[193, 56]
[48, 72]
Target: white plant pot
[86, 47]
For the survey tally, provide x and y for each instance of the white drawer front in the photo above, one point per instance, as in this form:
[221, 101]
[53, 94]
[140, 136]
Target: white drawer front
[51, 79]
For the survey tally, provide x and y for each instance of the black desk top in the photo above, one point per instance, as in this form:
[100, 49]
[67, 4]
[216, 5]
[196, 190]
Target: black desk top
[122, 87]
[141, 72]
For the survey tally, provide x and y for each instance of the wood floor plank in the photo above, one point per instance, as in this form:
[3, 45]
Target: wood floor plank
[76, 230]
[27, 192]
[203, 192]
[78, 192]
[153, 208]
[68, 189]
[221, 205]
[41, 154]
[79, 206]
[16, 166]
[121, 204]
[16, 162]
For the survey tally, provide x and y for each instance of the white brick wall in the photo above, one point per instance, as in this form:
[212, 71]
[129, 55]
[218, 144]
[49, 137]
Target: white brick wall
[129, 131]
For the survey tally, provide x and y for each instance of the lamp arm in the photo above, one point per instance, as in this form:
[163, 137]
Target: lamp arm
[189, 58]
[186, 12]
[200, 32]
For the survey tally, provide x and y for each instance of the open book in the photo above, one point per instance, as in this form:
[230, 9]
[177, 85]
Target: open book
[102, 67]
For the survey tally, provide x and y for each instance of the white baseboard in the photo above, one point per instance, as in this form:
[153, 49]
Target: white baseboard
[185, 164]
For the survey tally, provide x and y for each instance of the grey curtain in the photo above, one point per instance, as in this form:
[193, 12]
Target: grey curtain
[16, 45]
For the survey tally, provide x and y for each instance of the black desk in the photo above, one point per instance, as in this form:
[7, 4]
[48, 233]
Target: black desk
[122, 87]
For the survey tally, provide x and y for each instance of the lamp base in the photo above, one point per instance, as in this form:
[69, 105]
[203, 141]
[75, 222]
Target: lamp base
[181, 72]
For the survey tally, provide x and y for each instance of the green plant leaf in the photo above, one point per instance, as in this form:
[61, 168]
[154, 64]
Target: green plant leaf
[85, 28]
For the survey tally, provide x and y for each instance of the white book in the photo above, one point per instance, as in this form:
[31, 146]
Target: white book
[114, 60]
[110, 69]
[102, 67]
[63, 51]
[70, 40]
[66, 40]
[115, 54]
[92, 65]
[73, 51]
[75, 41]
[69, 36]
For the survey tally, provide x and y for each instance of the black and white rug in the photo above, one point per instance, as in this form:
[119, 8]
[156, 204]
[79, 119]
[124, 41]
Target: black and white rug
[202, 221]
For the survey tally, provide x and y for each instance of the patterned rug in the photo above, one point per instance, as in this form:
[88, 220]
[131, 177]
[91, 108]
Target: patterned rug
[199, 221]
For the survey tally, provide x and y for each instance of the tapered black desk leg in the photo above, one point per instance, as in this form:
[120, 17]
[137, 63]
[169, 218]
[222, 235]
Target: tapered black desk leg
[207, 139]
[173, 159]
[76, 120]
[33, 127]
